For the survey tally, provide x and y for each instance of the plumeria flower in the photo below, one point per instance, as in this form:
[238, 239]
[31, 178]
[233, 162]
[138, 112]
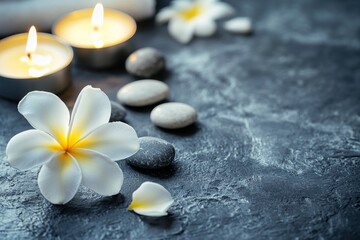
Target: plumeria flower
[77, 149]
[151, 199]
[188, 18]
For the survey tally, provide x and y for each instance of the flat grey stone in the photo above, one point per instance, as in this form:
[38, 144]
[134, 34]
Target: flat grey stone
[118, 112]
[143, 93]
[173, 115]
[145, 62]
[153, 153]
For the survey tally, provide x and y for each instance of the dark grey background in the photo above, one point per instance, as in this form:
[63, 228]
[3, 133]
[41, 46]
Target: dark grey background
[275, 153]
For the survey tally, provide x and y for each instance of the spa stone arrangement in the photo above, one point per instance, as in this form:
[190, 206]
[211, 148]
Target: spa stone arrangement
[81, 148]
[251, 133]
[154, 152]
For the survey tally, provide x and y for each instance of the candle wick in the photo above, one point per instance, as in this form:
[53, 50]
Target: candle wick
[96, 28]
[29, 56]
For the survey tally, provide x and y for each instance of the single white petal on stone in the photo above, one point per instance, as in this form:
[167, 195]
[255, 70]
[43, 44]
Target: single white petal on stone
[116, 140]
[151, 199]
[30, 149]
[165, 14]
[46, 112]
[59, 179]
[181, 30]
[240, 25]
[205, 27]
[219, 10]
[99, 173]
[91, 110]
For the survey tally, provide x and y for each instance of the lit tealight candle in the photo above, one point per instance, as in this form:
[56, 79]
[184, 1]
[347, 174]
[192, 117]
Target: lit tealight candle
[33, 62]
[100, 37]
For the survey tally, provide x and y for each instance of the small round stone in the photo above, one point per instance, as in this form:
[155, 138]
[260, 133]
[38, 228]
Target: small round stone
[145, 62]
[118, 112]
[239, 25]
[143, 93]
[173, 115]
[153, 153]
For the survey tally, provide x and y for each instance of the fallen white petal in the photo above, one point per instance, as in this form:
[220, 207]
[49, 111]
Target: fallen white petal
[116, 140]
[151, 199]
[205, 27]
[99, 173]
[181, 30]
[46, 112]
[59, 179]
[219, 10]
[165, 14]
[91, 110]
[238, 25]
[30, 149]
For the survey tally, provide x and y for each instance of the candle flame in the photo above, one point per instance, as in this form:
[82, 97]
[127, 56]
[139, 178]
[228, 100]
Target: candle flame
[31, 42]
[97, 18]
[37, 62]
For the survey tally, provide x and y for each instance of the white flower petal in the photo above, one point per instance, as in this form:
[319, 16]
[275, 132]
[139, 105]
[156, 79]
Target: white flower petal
[151, 199]
[205, 27]
[219, 10]
[46, 112]
[115, 140]
[99, 173]
[165, 14]
[91, 110]
[240, 25]
[30, 149]
[181, 30]
[59, 179]
[182, 4]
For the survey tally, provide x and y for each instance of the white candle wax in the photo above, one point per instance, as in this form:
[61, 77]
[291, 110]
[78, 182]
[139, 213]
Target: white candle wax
[77, 29]
[50, 56]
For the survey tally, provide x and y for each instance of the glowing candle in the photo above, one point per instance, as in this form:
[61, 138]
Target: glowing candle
[100, 37]
[33, 61]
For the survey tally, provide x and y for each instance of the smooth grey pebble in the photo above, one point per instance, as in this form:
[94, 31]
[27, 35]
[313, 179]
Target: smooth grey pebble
[143, 93]
[118, 112]
[239, 25]
[173, 115]
[154, 153]
[145, 62]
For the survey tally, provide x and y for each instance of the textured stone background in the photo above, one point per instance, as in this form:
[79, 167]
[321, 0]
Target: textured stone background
[275, 153]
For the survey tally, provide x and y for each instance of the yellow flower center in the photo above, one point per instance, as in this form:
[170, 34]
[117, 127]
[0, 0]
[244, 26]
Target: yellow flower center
[191, 12]
[68, 147]
[137, 204]
[67, 144]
